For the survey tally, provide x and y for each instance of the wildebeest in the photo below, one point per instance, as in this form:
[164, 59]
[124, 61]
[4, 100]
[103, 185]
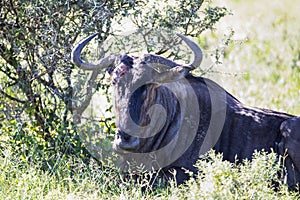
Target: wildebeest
[164, 116]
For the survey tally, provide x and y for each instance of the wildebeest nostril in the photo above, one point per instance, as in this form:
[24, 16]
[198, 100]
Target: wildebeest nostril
[125, 141]
[124, 136]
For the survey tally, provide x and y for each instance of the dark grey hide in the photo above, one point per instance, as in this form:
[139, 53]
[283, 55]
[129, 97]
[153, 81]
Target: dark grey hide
[243, 130]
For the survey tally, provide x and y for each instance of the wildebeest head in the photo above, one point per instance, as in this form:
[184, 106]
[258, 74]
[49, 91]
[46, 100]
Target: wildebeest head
[144, 105]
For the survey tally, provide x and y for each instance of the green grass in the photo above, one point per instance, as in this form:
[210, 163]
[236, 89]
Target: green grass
[74, 180]
[71, 179]
[261, 67]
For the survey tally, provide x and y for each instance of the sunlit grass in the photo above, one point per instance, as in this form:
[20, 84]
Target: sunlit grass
[74, 180]
[264, 54]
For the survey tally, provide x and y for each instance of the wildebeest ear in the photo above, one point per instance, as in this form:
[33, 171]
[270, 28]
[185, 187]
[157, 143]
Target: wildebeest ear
[172, 74]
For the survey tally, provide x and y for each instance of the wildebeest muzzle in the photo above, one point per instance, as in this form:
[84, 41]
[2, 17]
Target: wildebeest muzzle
[125, 143]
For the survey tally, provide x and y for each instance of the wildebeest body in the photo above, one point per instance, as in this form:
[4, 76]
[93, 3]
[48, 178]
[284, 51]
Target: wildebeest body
[245, 130]
[141, 83]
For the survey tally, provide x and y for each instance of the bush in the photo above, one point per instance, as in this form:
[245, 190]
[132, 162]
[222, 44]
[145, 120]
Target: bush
[218, 179]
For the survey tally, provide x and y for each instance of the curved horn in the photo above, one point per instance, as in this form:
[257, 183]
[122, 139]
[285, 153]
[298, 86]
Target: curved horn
[75, 56]
[155, 60]
[179, 71]
[196, 50]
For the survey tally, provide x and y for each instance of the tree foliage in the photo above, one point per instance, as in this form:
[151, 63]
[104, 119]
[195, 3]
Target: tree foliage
[36, 38]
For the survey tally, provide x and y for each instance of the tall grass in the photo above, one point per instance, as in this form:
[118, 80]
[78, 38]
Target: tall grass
[217, 179]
